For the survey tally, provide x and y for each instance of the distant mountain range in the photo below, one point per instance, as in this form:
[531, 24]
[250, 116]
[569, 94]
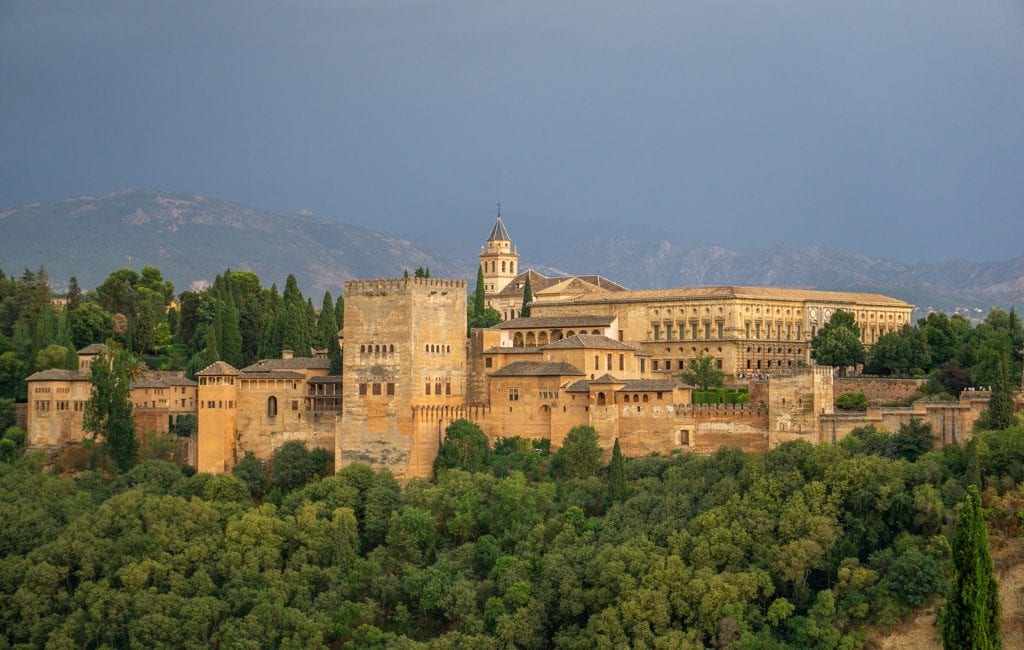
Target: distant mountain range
[192, 238]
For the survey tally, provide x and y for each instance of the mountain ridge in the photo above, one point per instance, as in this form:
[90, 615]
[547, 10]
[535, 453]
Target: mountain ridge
[192, 238]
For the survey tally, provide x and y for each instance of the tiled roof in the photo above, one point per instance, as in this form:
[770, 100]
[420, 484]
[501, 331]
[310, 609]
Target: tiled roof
[177, 381]
[607, 378]
[519, 349]
[218, 368]
[540, 283]
[57, 374]
[581, 386]
[295, 363]
[551, 322]
[641, 385]
[148, 383]
[731, 292]
[94, 348]
[498, 232]
[326, 379]
[539, 369]
[588, 342]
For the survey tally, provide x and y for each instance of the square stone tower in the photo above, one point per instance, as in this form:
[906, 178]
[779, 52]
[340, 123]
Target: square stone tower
[405, 347]
[796, 399]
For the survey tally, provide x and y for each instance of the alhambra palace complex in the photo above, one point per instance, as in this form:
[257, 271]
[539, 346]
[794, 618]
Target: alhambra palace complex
[591, 352]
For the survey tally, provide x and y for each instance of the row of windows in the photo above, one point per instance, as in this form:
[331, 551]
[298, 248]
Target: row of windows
[375, 388]
[377, 349]
[773, 350]
[549, 394]
[437, 389]
[42, 389]
[433, 348]
[608, 362]
[217, 404]
[510, 267]
[216, 381]
[678, 331]
[44, 406]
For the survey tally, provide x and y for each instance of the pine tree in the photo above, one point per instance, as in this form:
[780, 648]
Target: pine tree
[617, 485]
[108, 413]
[231, 341]
[326, 323]
[527, 298]
[479, 295]
[970, 619]
[74, 294]
[1000, 404]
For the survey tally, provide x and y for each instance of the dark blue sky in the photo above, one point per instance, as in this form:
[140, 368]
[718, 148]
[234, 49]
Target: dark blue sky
[893, 128]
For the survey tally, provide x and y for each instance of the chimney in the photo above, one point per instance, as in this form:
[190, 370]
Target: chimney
[287, 354]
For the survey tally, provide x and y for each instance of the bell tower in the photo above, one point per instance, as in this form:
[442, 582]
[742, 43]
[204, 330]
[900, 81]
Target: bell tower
[500, 260]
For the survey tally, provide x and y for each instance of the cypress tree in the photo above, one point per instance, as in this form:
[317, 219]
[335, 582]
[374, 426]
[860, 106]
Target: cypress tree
[1000, 404]
[527, 298]
[617, 486]
[479, 301]
[970, 619]
[334, 354]
[231, 343]
[326, 323]
[339, 313]
[74, 294]
[211, 353]
[973, 464]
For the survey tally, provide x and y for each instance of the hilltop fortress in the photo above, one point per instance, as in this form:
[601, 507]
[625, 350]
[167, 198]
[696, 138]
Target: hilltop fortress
[590, 353]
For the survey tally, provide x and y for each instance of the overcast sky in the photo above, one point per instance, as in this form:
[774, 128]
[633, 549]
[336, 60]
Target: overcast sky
[892, 128]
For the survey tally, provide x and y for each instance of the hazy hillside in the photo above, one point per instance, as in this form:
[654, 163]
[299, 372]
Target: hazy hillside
[641, 257]
[192, 238]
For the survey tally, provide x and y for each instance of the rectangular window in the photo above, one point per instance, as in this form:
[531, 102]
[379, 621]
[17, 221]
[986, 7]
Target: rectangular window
[609, 365]
[746, 332]
[428, 388]
[79, 406]
[447, 389]
[789, 331]
[757, 330]
[693, 331]
[488, 362]
[437, 388]
[62, 405]
[718, 364]
[654, 364]
[391, 389]
[668, 331]
[622, 362]
[376, 388]
[362, 389]
[210, 404]
[657, 332]
[295, 405]
[721, 330]
[597, 362]
[680, 365]
[513, 394]
[707, 330]
[643, 365]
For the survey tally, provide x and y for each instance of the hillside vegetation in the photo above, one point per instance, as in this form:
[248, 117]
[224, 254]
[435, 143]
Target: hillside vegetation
[801, 547]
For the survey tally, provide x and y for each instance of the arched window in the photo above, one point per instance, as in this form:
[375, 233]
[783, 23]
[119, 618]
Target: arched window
[376, 349]
[600, 399]
[391, 349]
[646, 397]
[517, 340]
[542, 338]
[531, 339]
[362, 349]
[512, 267]
[502, 266]
[271, 406]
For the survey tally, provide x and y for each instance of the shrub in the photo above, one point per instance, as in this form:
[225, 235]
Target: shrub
[852, 402]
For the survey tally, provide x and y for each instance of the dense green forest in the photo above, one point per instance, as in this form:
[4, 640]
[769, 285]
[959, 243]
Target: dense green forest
[509, 546]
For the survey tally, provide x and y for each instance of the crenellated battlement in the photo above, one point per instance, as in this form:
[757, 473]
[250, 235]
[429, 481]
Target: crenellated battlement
[757, 410]
[382, 286]
[456, 412]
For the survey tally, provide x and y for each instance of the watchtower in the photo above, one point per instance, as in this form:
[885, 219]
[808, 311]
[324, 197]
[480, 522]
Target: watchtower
[218, 411]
